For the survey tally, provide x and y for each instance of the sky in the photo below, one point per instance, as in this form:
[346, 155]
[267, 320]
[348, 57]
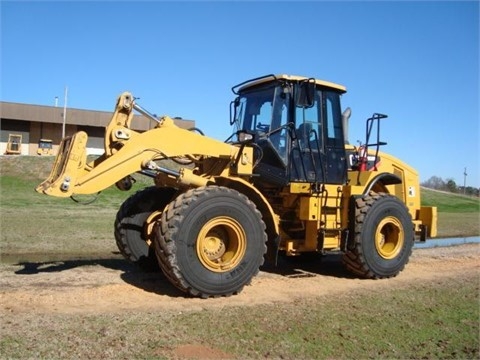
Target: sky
[416, 61]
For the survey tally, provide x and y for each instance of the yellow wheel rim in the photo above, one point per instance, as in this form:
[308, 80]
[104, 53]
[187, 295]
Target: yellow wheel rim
[221, 244]
[389, 238]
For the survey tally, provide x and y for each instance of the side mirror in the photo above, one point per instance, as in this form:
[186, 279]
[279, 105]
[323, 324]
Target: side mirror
[233, 114]
[305, 94]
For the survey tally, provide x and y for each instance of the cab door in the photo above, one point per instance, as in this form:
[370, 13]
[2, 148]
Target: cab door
[335, 156]
[318, 153]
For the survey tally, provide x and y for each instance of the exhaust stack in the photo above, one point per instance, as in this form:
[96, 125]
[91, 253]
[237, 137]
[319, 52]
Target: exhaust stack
[345, 116]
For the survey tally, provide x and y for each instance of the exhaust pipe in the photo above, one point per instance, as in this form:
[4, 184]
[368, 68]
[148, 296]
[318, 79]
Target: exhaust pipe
[345, 116]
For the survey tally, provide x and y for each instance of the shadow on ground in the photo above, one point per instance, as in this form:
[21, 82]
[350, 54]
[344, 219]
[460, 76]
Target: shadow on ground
[308, 265]
[34, 267]
[156, 282]
[150, 281]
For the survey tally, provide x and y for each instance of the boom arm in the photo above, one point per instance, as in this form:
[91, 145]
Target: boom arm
[126, 152]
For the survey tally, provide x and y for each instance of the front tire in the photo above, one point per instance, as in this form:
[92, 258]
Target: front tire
[131, 233]
[383, 237]
[210, 241]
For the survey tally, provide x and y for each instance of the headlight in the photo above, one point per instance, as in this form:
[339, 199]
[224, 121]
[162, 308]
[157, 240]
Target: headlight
[244, 137]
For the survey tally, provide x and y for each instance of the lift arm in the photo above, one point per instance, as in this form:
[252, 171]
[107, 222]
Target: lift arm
[126, 152]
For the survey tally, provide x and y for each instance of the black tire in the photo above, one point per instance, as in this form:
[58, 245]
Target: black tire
[130, 227]
[382, 239]
[210, 241]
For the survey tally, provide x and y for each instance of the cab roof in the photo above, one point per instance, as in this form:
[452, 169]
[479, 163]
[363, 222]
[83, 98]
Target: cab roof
[295, 78]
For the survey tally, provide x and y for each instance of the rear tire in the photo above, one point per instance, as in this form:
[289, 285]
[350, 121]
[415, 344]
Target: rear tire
[383, 237]
[130, 226]
[210, 241]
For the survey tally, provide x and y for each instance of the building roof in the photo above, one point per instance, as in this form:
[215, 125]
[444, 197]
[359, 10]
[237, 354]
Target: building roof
[52, 114]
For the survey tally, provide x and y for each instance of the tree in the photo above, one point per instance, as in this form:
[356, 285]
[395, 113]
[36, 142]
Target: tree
[451, 185]
[437, 183]
[469, 190]
[434, 182]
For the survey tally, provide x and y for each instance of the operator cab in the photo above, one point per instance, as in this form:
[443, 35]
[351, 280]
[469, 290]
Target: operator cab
[295, 126]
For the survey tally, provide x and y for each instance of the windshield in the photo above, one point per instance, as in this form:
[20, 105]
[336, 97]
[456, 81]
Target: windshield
[254, 110]
[45, 145]
[264, 111]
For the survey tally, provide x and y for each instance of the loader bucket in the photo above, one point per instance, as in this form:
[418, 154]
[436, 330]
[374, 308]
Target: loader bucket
[69, 163]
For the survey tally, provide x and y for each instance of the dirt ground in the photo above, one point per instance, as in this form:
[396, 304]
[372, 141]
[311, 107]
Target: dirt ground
[96, 285]
[112, 285]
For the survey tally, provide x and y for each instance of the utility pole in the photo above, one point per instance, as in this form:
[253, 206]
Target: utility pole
[64, 112]
[464, 181]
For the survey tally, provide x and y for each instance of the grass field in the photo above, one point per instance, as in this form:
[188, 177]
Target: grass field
[420, 320]
[32, 223]
[449, 202]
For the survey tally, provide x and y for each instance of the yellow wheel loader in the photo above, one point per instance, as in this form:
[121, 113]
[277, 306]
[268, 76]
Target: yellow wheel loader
[286, 182]
[45, 147]
[14, 144]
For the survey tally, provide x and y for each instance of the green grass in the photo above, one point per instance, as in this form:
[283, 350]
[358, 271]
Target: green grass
[458, 224]
[398, 324]
[33, 223]
[419, 321]
[449, 202]
[458, 215]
